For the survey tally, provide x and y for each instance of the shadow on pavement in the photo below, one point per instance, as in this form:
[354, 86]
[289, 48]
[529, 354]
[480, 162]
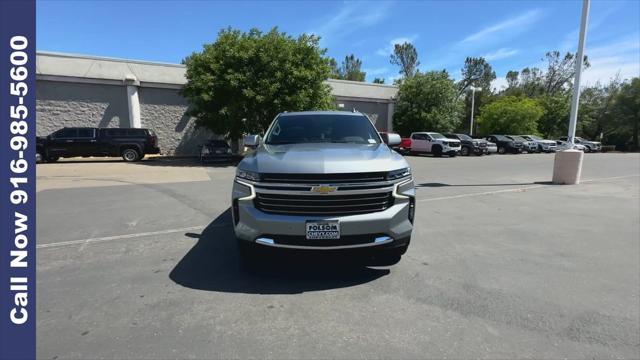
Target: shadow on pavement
[187, 162]
[435, 185]
[214, 264]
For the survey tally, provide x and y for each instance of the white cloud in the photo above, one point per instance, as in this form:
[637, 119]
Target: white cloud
[501, 53]
[619, 57]
[519, 22]
[388, 50]
[499, 83]
[352, 17]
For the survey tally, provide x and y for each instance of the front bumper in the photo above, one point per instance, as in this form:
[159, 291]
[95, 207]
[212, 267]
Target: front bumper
[381, 229]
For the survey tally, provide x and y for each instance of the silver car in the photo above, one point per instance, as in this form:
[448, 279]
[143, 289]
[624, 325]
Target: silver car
[323, 181]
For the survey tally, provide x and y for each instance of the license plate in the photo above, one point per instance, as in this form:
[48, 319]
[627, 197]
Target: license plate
[323, 230]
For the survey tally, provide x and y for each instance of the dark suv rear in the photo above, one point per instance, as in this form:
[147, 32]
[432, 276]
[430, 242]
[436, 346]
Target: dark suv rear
[130, 143]
[506, 144]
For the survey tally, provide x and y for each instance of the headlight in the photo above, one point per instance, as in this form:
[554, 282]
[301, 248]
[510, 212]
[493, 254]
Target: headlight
[399, 174]
[249, 175]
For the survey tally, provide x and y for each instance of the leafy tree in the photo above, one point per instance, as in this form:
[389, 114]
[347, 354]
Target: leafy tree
[241, 81]
[560, 72]
[405, 55]
[378, 81]
[627, 109]
[427, 102]
[510, 115]
[512, 79]
[555, 120]
[476, 72]
[335, 71]
[350, 69]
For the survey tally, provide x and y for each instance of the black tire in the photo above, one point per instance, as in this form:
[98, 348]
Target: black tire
[587, 149]
[52, 158]
[130, 155]
[465, 151]
[452, 154]
[502, 150]
[437, 151]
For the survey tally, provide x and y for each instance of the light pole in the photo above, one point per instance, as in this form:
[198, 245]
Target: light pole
[473, 96]
[567, 166]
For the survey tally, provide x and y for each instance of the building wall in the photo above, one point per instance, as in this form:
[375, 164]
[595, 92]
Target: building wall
[60, 104]
[64, 103]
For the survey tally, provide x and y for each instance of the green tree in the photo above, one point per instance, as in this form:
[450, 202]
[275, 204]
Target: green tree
[427, 102]
[350, 69]
[510, 115]
[378, 81]
[627, 109]
[239, 83]
[555, 119]
[335, 70]
[405, 55]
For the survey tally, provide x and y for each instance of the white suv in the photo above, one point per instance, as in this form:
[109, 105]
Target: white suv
[434, 143]
[543, 145]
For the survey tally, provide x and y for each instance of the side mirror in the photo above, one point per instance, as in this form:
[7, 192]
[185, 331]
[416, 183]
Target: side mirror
[251, 141]
[392, 139]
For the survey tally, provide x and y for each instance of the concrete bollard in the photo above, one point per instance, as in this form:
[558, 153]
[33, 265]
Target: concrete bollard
[567, 167]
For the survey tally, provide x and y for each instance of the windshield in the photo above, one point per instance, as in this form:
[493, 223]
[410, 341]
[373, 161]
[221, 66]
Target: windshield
[318, 128]
[517, 138]
[437, 136]
[465, 137]
[501, 138]
[534, 137]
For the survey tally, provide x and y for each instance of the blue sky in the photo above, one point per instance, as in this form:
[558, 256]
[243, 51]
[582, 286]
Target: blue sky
[510, 34]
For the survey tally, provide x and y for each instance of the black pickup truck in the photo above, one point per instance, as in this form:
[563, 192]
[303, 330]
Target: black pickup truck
[470, 145]
[130, 143]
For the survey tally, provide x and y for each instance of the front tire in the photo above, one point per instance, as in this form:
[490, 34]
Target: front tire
[502, 150]
[465, 151]
[130, 155]
[437, 151]
[587, 149]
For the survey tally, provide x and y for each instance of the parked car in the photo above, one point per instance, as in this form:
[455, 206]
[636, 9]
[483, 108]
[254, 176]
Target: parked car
[543, 145]
[589, 146]
[470, 145]
[323, 180]
[505, 144]
[130, 143]
[563, 145]
[492, 148]
[528, 146]
[433, 143]
[216, 150]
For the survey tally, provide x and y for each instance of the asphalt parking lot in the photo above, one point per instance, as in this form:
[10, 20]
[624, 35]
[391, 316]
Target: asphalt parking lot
[138, 261]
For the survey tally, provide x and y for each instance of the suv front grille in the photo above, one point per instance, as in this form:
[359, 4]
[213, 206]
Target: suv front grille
[323, 205]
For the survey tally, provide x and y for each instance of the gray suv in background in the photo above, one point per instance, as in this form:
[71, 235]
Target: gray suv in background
[323, 180]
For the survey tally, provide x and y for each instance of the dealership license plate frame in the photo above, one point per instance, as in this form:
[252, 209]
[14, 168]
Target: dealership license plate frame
[333, 228]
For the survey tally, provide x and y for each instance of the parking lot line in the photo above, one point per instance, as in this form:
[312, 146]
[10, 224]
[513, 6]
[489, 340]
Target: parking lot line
[119, 237]
[519, 189]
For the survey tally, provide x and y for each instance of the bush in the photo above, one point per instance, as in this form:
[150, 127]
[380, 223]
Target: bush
[510, 115]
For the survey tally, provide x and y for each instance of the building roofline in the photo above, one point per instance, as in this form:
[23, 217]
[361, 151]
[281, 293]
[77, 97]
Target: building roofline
[106, 58]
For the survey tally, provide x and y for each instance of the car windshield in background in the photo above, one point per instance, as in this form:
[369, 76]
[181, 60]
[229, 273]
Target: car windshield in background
[465, 137]
[535, 137]
[321, 128]
[437, 136]
[518, 138]
[502, 138]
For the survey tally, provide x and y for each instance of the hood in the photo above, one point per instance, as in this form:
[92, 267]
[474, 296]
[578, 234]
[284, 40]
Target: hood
[322, 158]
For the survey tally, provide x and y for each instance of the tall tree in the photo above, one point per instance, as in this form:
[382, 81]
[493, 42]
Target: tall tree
[378, 81]
[560, 71]
[334, 69]
[241, 81]
[512, 79]
[405, 55]
[350, 69]
[427, 101]
[476, 72]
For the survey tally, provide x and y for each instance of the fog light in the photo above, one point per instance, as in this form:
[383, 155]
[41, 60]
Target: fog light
[412, 209]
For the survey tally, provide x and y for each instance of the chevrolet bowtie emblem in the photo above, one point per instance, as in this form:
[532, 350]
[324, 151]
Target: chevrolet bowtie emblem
[324, 189]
